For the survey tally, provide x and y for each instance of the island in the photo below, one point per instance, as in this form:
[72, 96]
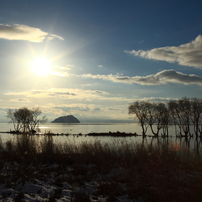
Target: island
[66, 119]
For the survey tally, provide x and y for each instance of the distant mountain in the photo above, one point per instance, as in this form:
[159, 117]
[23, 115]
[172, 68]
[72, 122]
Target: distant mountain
[66, 119]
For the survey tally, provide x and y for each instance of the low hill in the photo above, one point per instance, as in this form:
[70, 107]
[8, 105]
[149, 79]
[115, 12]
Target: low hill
[66, 119]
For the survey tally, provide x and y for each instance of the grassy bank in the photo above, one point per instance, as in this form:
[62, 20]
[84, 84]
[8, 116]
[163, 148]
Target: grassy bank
[162, 172]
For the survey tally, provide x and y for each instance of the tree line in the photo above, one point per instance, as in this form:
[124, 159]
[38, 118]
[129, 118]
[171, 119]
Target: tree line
[185, 114]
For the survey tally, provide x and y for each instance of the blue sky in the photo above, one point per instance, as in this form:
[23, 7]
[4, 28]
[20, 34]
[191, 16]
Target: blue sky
[92, 58]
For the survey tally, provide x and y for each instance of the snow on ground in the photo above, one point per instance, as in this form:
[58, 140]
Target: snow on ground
[90, 183]
[56, 183]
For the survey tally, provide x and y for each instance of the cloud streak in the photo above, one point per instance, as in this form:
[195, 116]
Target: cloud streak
[62, 93]
[24, 32]
[20, 100]
[189, 54]
[70, 94]
[160, 78]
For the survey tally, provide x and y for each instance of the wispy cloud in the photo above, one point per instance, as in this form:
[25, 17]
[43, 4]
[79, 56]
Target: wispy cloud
[60, 71]
[163, 77]
[71, 94]
[24, 32]
[19, 100]
[189, 54]
[62, 93]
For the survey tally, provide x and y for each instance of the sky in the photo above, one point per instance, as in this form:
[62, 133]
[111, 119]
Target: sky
[93, 58]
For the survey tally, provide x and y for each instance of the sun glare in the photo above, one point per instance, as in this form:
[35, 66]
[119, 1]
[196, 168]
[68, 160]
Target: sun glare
[41, 66]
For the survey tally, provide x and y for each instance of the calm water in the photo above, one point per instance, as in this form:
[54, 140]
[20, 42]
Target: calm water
[80, 128]
[98, 128]
[76, 129]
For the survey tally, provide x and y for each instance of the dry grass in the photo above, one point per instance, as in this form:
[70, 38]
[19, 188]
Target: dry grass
[160, 172]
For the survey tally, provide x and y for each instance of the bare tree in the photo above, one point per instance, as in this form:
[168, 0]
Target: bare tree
[172, 107]
[35, 121]
[10, 115]
[196, 115]
[182, 115]
[165, 117]
[26, 120]
[158, 118]
[185, 114]
[161, 117]
[140, 109]
[151, 117]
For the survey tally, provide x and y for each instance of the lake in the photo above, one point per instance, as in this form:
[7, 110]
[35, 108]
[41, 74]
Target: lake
[81, 128]
[101, 128]
[75, 129]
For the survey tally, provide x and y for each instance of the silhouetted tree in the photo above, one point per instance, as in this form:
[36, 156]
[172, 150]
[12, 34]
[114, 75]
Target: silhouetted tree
[165, 117]
[173, 114]
[184, 105]
[26, 120]
[181, 111]
[161, 118]
[140, 109]
[196, 115]
[151, 117]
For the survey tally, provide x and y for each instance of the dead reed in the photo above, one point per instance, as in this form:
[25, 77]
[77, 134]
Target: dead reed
[160, 172]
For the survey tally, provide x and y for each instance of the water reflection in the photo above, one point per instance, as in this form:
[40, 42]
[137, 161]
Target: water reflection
[69, 131]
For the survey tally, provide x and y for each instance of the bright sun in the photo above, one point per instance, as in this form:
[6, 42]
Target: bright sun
[41, 66]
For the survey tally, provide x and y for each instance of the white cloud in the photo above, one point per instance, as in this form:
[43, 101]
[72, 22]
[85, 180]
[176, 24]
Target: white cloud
[189, 54]
[163, 77]
[24, 32]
